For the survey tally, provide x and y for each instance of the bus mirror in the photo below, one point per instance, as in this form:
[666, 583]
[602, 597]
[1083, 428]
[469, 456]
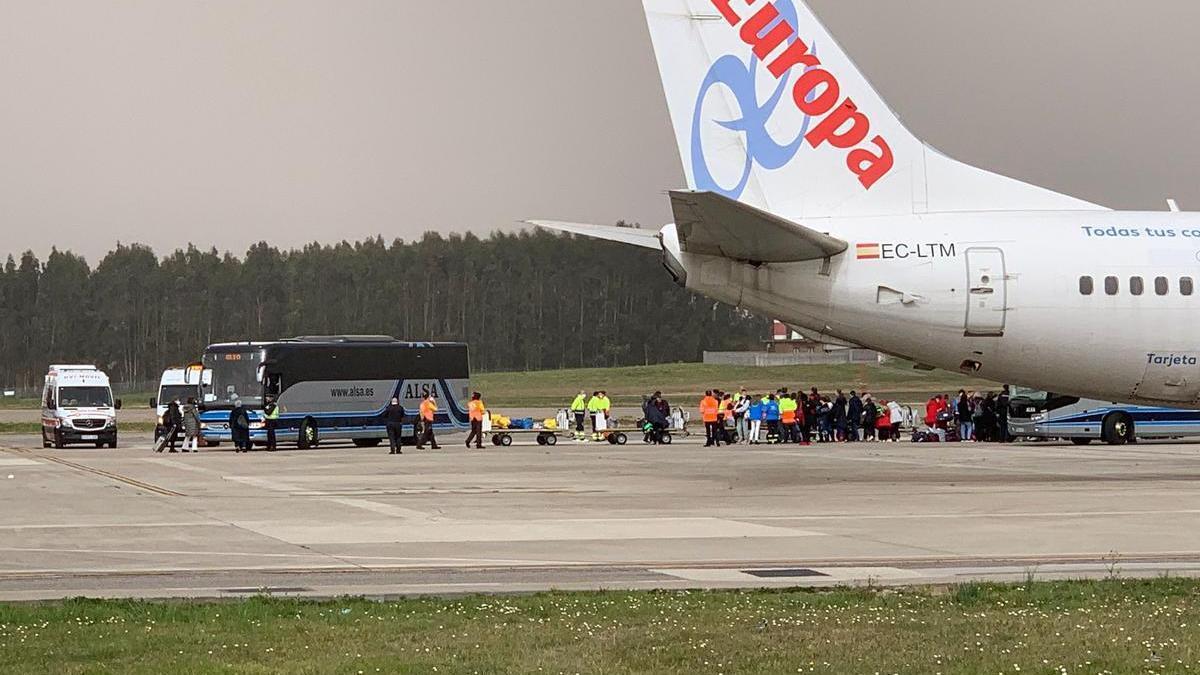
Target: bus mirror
[154, 403]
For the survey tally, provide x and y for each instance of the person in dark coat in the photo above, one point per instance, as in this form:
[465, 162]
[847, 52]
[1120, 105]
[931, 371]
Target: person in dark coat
[870, 416]
[172, 423]
[839, 417]
[1002, 402]
[393, 419]
[239, 427]
[657, 420]
[854, 417]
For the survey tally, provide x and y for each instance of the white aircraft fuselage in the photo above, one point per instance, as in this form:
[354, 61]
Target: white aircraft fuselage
[998, 295]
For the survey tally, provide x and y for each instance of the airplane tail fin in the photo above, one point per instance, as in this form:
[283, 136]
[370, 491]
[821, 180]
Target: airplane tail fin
[769, 110]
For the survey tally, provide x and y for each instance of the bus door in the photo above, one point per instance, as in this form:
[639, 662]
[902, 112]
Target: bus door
[987, 294]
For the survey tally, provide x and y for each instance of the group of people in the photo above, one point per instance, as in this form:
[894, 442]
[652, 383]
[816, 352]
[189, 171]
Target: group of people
[969, 417]
[395, 418]
[796, 417]
[176, 418]
[597, 409]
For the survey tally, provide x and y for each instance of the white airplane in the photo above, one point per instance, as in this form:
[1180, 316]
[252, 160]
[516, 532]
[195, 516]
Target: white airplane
[810, 202]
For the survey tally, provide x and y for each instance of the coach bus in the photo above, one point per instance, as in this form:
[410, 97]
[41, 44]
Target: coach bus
[1042, 415]
[330, 387]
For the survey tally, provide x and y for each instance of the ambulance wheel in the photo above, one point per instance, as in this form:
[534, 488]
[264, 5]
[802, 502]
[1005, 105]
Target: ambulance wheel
[506, 440]
[666, 438]
[551, 439]
[45, 441]
[541, 440]
[1081, 441]
[1118, 429]
[309, 438]
[622, 439]
[59, 444]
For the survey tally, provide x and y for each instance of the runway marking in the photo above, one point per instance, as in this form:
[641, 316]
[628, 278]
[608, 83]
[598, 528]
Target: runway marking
[968, 516]
[115, 476]
[485, 531]
[379, 507]
[94, 526]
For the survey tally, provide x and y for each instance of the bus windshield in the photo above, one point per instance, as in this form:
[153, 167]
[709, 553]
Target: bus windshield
[84, 397]
[234, 379]
[1026, 402]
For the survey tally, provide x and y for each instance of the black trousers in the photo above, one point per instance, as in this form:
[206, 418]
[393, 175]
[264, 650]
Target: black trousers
[476, 433]
[395, 438]
[579, 422]
[426, 435]
[712, 433]
[270, 434]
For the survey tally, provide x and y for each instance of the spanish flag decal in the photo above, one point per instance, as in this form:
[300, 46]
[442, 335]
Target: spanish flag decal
[869, 252]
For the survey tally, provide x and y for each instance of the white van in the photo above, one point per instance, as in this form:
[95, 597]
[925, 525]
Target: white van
[173, 385]
[78, 407]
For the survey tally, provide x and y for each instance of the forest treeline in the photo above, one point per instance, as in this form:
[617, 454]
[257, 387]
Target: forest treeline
[524, 301]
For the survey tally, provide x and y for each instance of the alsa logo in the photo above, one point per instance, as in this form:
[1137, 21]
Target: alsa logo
[817, 94]
[904, 251]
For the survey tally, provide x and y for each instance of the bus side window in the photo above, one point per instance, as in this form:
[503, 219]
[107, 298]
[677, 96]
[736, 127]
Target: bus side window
[1137, 285]
[1112, 285]
[1162, 286]
[1087, 286]
[1186, 286]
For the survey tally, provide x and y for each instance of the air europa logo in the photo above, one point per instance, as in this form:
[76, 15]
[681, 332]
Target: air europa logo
[816, 93]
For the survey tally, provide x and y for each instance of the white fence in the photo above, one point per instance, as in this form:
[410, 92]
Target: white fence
[765, 360]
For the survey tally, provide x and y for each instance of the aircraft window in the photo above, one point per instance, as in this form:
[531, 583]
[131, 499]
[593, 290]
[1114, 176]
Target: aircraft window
[1087, 285]
[1186, 286]
[1162, 286]
[1112, 285]
[1137, 285]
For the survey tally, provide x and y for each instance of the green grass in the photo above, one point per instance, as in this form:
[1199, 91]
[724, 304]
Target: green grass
[686, 381]
[1078, 627]
[36, 427]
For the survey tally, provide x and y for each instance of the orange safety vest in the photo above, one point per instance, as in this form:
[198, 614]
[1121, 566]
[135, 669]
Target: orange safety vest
[476, 409]
[729, 409]
[708, 409]
[789, 416]
[428, 408]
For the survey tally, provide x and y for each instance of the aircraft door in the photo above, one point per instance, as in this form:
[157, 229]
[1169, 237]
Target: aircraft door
[987, 294]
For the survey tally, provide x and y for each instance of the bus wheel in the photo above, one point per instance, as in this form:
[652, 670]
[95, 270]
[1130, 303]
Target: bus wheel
[308, 434]
[1118, 429]
[367, 442]
[1081, 441]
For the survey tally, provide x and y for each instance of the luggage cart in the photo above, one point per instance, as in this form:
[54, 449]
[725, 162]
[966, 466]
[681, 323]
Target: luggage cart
[504, 437]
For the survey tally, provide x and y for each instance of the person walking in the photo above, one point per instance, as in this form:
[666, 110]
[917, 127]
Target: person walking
[428, 414]
[239, 427]
[709, 411]
[271, 421]
[476, 410]
[393, 420]
[172, 421]
[579, 412]
[191, 427]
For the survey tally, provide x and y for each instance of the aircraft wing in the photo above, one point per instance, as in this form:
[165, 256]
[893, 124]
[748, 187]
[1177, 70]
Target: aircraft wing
[712, 224]
[624, 235]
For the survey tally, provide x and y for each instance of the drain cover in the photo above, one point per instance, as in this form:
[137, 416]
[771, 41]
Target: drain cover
[783, 574]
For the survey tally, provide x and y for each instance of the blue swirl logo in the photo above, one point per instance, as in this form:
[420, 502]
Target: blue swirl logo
[740, 79]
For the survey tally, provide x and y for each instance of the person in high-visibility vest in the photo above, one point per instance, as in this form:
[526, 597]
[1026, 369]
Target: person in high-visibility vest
[271, 421]
[579, 411]
[476, 410]
[787, 414]
[594, 406]
[428, 412]
[709, 407]
[727, 421]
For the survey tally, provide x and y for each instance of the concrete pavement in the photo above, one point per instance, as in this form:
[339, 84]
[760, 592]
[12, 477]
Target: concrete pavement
[333, 521]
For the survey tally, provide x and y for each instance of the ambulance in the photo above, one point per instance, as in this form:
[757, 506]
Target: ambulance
[78, 407]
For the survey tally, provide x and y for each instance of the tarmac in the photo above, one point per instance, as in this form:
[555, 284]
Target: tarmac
[347, 521]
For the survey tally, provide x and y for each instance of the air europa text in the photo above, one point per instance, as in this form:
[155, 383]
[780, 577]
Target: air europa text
[817, 91]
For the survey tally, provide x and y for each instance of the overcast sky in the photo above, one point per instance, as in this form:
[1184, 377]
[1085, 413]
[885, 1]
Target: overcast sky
[224, 122]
